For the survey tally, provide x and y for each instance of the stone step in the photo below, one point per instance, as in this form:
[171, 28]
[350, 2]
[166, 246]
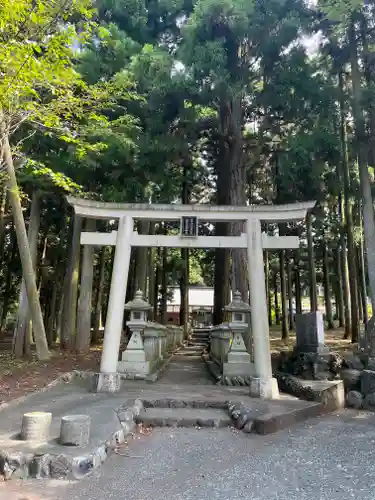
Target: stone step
[185, 417]
[189, 354]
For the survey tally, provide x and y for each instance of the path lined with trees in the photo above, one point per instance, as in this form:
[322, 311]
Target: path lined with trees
[183, 101]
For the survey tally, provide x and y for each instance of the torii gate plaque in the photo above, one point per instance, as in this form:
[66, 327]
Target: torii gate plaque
[263, 385]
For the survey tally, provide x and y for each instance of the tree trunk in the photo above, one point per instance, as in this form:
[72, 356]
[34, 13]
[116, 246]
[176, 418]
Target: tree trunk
[327, 290]
[222, 255]
[51, 323]
[98, 303]
[25, 255]
[268, 291]
[23, 317]
[231, 120]
[184, 279]
[365, 183]
[312, 271]
[339, 289]
[69, 312]
[290, 293]
[3, 204]
[83, 338]
[284, 307]
[141, 260]
[164, 288]
[297, 280]
[346, 290]
[157, 285]
[352, 267]
[362, 282]
[368, 71]
[276, 297]
[152, 275]
[8, 280]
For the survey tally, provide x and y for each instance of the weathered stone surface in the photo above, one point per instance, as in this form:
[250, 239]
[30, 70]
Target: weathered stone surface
[310, 332]
[137, 407]
[35, 426]
[243, 419]
[75, 430]
[117, 438]
[40, 466]
[369, 401]
[368, 381]
[354, 399]
[370, 363]
[249, 427]
[353, 363]
[21, 473]
[101, 453]
[352, 379]
[125, 415]
[367, 338]
[106, 382]
[60, 467]
[128, 427]
[82, 466]
[311, 366]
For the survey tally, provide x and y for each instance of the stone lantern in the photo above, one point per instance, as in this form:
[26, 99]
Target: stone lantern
[133, 360]
[238, 313]
[138, 308]
[239, 361]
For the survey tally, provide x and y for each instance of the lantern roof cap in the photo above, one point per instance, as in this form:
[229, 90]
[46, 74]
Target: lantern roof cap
[237, 304]
[138, 303]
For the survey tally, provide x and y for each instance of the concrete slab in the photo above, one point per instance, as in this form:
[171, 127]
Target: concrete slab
[104, 422]
[25, 458]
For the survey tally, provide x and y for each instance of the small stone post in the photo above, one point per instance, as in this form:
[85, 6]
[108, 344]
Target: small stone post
[35, 426]
[75, 430]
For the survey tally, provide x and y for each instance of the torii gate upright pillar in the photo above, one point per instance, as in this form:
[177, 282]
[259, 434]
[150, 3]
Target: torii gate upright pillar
[263, 385]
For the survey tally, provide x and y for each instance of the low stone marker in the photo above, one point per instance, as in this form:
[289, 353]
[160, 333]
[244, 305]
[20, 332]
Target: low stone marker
[35, 426]
[310, 333]
[75, 430]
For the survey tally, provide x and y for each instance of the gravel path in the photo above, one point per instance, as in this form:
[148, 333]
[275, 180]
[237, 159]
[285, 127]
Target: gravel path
[330, 458]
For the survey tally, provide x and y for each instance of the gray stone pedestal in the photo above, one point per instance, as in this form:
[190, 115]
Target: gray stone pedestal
[106, 382]
[264, 389]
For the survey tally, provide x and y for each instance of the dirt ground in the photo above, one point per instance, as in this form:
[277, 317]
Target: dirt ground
[20, 377]
[334, 339]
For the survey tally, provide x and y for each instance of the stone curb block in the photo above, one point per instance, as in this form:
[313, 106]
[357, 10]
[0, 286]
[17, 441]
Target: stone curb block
[153, 377]
[21, 465]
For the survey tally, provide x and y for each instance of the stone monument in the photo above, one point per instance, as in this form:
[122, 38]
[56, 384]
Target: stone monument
[310, 333]
[311, 359]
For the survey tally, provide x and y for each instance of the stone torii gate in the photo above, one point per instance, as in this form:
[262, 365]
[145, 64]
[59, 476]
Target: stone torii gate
[253, 240]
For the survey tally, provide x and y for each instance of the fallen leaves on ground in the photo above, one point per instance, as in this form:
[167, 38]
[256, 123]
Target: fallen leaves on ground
[19, 377]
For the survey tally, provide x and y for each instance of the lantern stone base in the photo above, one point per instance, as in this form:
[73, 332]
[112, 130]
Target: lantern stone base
[133, 360]
[264, 388]
[239, 364]
[106, 382]
[137, 369]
